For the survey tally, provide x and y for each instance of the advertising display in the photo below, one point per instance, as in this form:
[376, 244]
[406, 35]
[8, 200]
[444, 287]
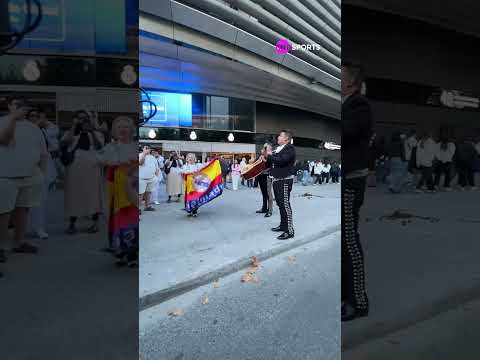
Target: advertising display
[173, 109]
[72, 26]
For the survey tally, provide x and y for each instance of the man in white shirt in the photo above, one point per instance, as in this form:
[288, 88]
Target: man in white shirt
[23, 157]
[148, 171]
[156, 193]
[318, 170]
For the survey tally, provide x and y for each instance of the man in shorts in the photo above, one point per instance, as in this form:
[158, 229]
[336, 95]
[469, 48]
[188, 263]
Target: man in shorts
[23, 159]
[148, 172]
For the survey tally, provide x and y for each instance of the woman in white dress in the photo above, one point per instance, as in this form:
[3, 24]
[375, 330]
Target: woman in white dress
[174, 178]
[236, 171]
[83, 180]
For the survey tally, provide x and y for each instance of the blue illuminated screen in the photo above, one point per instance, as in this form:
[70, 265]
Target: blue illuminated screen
[76, 26]
[173, 109]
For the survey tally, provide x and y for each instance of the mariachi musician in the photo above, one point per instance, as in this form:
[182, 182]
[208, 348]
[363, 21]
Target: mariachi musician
[281, 162]
[265, 184]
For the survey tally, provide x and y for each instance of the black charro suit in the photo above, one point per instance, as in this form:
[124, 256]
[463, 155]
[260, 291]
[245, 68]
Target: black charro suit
[357, 129]
[281, 170]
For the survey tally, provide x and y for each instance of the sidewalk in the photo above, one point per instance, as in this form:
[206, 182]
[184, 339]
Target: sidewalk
[416, 268]
[176, 250]
[69, 301]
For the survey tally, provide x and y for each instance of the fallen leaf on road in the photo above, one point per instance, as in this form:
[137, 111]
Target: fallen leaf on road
[205, 300]
[216, 284]
[176, 312]
[249, 277]
[254, 261]
[292, 259]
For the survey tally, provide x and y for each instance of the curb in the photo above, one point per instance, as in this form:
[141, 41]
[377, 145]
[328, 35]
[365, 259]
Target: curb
[163, 295]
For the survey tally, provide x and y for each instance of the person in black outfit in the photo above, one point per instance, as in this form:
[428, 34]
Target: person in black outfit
[265, 184]
[464, 159]
[357, 132]
[335, 172]
[281, 162]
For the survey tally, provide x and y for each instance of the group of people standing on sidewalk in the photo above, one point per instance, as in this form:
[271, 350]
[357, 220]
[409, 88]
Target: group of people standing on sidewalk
[424, 161]
[320, 172]
[93, 166]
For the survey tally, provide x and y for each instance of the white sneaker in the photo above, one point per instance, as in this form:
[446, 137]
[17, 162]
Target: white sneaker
[157, 203]
[41, 234]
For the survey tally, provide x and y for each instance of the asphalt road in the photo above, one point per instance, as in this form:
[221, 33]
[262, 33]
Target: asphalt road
[292, 312]
[450, 335]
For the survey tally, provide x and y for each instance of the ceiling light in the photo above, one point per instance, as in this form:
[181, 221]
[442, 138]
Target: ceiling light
[152, 134]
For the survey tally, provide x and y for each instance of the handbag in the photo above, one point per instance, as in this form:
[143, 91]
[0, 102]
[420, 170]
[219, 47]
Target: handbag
[66, 156]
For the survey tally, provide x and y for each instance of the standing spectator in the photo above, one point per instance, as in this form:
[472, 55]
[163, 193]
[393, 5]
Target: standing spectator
[426, 150]
[156, 192]
[147, 177]
[396, 157]
[243, 165]
[236, 169]
[326, 172]
[83, 182]
[445, 152]
[225, 166]
[38, 215]
[161, 165]
[465, 158]
[120, 159]
[174, 178]
[305, 173]
[318, 171]
[335, 172]
[23, 157]
[411, 153]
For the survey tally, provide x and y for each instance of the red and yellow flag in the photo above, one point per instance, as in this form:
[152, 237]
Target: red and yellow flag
[123, 227]
[203, 186]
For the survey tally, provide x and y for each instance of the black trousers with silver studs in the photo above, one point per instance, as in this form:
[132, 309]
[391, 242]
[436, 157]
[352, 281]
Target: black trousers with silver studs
[282, 190]
[353, 269]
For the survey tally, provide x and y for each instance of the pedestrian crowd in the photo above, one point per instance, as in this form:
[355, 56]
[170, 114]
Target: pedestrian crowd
[162, 176]
[37, 160]
[425, 163]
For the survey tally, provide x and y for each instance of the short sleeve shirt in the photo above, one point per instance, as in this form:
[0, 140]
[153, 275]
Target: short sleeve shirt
[21, 157]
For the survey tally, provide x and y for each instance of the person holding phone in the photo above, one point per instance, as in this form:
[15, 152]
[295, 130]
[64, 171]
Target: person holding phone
[23, 158]
[83, 180]
[174, 178]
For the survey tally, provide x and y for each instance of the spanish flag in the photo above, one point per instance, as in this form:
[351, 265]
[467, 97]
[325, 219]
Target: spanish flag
[123, 227]
[203, 186]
